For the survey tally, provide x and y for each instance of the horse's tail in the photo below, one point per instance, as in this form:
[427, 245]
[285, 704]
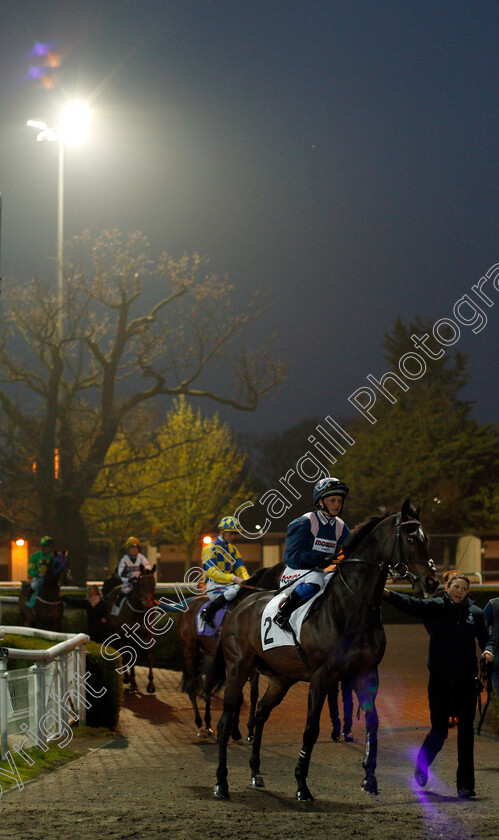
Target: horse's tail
[215, 674]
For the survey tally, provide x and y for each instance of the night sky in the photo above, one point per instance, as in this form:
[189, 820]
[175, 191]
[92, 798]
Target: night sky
[341, 157]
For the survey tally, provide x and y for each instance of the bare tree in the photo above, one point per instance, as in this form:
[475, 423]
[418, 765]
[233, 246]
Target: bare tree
[133, 329]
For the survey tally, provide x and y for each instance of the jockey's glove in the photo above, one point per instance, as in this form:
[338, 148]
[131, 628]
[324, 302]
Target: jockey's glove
[327, 560]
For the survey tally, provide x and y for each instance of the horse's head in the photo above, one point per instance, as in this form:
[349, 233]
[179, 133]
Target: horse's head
[410, 559]
[144, 588]
[58, 566]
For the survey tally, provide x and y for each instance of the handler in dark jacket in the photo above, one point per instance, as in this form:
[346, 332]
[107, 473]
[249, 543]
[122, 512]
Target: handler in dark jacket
[95, 607]
[453, 622]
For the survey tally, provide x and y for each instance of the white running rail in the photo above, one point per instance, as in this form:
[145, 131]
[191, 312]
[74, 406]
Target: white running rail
[38, 703]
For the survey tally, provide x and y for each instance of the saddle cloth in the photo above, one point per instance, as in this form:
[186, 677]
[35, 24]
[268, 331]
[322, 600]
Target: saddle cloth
[203, 629]
[272, 635]
[116, 608]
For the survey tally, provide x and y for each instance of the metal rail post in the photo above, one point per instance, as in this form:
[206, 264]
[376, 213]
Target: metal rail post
[4, 688]
[40, 700]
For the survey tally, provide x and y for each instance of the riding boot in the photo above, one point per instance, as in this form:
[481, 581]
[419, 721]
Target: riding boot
[208, 614]
[291, 603]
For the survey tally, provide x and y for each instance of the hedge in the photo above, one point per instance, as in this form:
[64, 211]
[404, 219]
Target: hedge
[105, 710]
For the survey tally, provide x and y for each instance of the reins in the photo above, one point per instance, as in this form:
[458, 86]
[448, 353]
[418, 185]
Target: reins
[50, 603]
[134, 609]
[401, 569]
[372, 607]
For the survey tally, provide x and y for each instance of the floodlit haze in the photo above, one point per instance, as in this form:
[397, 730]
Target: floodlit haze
[341, 157]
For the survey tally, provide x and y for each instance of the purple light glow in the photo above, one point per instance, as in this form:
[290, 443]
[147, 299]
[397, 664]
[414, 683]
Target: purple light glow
[40, 50]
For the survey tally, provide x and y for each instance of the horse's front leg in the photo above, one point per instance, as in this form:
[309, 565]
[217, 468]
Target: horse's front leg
[316, 696]
[253, 701]
[276, 691]
[151, 688]
[366, 689]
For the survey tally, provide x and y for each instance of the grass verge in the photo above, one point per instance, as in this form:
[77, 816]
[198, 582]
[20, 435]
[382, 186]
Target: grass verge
[85, 738]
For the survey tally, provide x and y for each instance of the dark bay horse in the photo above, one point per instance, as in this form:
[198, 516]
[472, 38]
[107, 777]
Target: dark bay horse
[342, 639]
[48, 610]
[198, 651]
[132, 612]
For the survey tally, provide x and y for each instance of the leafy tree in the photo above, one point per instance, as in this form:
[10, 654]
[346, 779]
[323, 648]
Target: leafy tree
[133, 329]
[425, 446]
[173, 482]
[118, 504]
[201, 476]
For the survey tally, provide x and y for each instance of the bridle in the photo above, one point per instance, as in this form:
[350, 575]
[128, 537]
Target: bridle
[135, 583]
[399, 569]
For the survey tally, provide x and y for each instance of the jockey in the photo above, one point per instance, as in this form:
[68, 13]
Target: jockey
[223, 568]
[130, 567]
[37, 566]
[312, 541]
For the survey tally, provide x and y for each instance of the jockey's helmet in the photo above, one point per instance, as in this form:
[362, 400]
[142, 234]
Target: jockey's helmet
[329, 486]
[132, 541]
[228, 523]
[46, 541]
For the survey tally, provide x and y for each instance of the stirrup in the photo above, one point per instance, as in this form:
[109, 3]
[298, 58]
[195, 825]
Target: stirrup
[207, 617]
[282, 621]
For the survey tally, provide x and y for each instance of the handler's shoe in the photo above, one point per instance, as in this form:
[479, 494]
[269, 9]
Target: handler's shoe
[421, 776]
[465, 792]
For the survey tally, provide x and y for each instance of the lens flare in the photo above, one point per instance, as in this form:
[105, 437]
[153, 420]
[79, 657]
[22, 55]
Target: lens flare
[46, 60]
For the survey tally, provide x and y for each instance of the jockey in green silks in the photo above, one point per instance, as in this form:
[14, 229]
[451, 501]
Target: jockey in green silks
[37, 566]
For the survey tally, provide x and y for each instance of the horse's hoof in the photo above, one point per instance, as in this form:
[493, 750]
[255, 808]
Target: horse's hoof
[249, 739]
[236, 735]
[370, 786]
[151, 688]
[221, 790]
[256, 781]
[304, 795]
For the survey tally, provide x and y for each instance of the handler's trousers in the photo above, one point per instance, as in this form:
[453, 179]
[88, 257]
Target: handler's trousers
[347, 697]
[447, 698]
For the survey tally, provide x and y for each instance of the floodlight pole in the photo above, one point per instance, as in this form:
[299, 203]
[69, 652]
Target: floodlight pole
[59, 134]
[60, 236]
[0, 238]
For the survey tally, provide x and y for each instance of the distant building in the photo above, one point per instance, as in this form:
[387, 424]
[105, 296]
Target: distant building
[466, 552]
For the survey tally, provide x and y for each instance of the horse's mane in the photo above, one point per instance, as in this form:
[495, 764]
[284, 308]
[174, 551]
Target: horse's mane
[267, 571]
[359, 532]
